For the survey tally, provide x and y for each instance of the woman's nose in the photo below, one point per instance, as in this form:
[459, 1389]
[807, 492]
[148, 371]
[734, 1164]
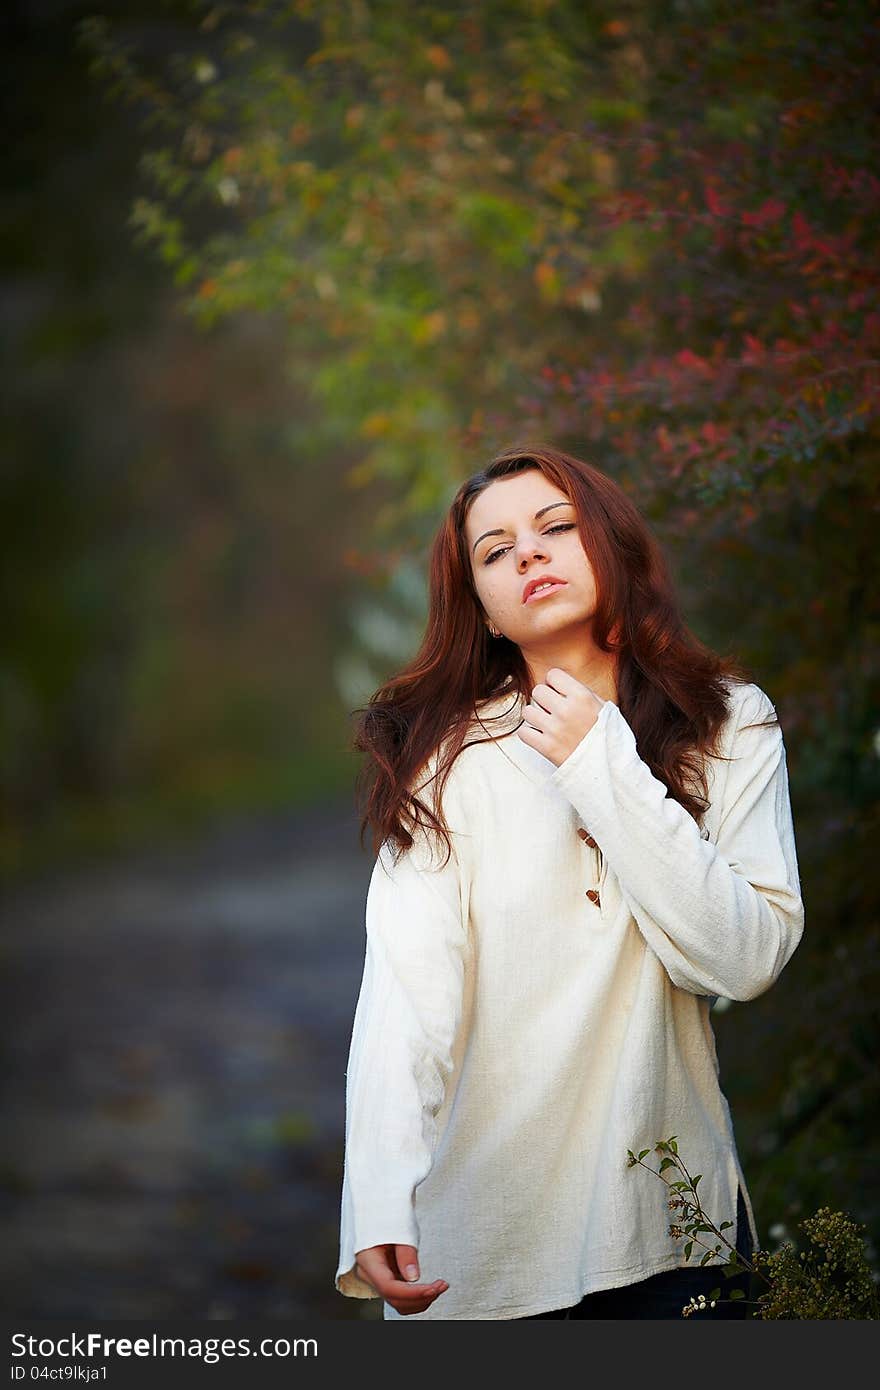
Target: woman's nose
[531, 550]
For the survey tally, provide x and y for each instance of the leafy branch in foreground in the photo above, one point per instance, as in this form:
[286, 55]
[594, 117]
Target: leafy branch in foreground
[829, 1278]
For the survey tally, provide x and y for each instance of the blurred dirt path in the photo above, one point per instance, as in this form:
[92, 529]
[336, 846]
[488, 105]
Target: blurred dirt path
[176, 1031]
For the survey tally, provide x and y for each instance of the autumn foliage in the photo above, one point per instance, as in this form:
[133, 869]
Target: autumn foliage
[645, 231]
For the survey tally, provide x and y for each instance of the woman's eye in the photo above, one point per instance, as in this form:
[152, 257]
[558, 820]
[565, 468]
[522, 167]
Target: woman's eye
[560, 526]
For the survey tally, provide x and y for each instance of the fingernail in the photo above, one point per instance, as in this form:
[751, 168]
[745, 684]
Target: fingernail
[411, 1272]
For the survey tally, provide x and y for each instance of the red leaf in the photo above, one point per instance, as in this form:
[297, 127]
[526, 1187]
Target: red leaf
[713, 202]
[769, 212]
[756, 350]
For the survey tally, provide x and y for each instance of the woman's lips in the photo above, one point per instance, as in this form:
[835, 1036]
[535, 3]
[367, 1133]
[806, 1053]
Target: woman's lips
[542, 593]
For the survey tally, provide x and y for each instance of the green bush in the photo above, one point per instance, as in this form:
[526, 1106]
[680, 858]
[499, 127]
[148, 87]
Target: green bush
[830, 1277]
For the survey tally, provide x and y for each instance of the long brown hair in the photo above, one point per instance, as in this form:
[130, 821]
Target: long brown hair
[670, 686]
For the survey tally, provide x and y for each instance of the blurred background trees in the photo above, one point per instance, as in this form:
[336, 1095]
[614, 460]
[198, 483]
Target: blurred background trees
[282, 274]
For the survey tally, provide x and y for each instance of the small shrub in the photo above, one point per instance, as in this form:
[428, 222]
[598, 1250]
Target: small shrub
[830, 1277]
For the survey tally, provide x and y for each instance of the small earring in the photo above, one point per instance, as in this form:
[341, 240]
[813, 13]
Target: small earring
[493, 631]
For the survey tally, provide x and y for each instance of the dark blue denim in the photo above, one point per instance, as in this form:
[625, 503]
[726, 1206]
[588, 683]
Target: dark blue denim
[664, 1295]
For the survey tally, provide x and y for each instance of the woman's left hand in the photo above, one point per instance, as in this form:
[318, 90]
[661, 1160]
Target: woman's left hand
[560, 713]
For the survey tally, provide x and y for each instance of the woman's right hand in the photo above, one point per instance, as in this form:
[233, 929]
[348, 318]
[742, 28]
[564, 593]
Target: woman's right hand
[385, 1266]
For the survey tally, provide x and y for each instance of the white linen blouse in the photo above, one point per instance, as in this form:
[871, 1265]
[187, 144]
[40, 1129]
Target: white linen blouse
[514, 1037]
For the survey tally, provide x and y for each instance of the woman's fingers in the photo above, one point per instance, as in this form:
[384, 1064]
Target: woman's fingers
[380, 1267]
[407, 1259]
[412, 1298]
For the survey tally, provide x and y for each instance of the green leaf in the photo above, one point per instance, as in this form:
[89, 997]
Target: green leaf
[724, 1225]
[642, 1154]
[497, 225]
[687, 1249]
[737, 1293]
[667, 1163]
[612, 110]
[696, 1180]
[716, 1294]
[707, 1256]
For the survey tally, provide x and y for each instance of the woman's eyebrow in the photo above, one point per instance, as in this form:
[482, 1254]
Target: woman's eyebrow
[500, 532]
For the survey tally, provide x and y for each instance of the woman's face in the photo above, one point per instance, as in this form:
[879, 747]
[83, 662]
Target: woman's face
[533, 532]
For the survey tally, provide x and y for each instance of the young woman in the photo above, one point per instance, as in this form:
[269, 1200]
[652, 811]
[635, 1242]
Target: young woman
[584, 838]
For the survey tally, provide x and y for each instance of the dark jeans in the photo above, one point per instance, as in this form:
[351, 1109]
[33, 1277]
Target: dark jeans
[664, 1295]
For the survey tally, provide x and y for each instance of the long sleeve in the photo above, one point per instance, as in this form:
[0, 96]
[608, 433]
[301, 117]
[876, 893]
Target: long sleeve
[723, 918]
[408, 1016]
